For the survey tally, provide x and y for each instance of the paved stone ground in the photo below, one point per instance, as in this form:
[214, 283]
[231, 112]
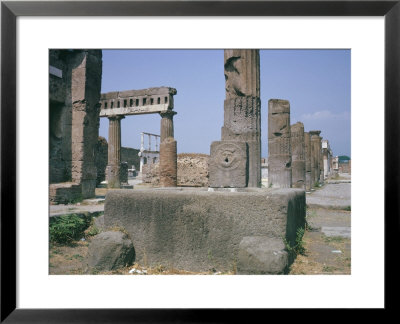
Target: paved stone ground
[331, 195]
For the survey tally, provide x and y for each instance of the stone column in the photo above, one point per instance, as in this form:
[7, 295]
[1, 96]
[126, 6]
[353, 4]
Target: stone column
[321, 162]
[315, 151]
[168, 151]
[114, 152]
[279, 148]
[242, 110]
[307, 142]
[167, 124]
[85, 96]
[298, 155]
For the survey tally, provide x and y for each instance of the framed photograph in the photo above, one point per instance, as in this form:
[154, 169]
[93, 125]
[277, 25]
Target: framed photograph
[370, 30]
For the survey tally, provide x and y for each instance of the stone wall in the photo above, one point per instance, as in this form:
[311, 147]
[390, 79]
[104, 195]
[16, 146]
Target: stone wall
[192, 171]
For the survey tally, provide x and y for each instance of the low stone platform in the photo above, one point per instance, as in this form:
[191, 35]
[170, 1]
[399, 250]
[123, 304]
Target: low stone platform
[65, 192]
[198, 230]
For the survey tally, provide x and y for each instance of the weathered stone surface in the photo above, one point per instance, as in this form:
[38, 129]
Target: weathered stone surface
[298, 155]
[262, 255]
[242, 108]
[110, 251]
[315, 156]
[167, 124]
[114, 152]
[168, 163]
[65, 193]
[193, 169]
[307, 146]
[198, 230]
[135, 102]
[228, 164]
[242, 73]
[279, 148]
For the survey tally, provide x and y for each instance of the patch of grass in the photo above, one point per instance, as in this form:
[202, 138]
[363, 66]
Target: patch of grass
[67, 228]
[348, 208]
[298, 246]
[334, 239]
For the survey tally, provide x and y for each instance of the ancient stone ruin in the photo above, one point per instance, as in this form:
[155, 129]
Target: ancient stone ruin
[307, 146]
[235, 161]
[117, 105]
[75, 82]
[279, 144]
[315, 156]
[298, 155]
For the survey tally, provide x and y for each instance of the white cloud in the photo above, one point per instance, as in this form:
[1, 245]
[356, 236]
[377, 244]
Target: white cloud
[326, 115]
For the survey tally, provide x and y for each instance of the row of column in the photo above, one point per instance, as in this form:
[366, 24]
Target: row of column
[295, 158]
[168, 151]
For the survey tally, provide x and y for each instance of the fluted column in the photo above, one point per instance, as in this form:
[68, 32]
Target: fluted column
[114, 152]
[167, 124]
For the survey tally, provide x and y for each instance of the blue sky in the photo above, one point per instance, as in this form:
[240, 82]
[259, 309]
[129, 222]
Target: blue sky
[316, 82]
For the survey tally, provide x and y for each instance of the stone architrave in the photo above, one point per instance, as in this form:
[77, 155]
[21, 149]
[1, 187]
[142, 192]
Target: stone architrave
[85, 96]
[315, 152]
[242, 107]
[228, 164]
[307, 142]
[114, 152]
[298, 155]
[279, 148]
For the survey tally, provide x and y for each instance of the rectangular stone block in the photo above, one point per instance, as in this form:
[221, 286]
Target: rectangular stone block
[228, 166]
[198, 230]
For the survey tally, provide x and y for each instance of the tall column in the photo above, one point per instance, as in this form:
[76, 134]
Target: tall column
[168, 151]
[298, 155]
[279, 148]
[307, 142]
[321, 162]
[242, 108]
[114, 152]
[85, 96]
[315, 152]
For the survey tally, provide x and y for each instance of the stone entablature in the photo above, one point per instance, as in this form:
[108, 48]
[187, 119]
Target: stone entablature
[136, 102]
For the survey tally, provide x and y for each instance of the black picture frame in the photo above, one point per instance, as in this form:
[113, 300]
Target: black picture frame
[10, 10]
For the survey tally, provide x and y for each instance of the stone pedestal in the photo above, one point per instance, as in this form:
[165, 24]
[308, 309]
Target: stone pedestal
[307, 142]
[298, 155]
[199, 230]
[114, 152]
[228, 164]
[279, 148]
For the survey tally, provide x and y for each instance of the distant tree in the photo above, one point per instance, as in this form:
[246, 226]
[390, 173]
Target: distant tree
[344, 158]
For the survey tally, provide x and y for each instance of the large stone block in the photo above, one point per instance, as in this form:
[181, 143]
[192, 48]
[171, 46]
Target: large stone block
[198, 230]
[228, 164]
[262, 255]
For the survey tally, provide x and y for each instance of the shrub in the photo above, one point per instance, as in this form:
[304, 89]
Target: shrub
[67, 228]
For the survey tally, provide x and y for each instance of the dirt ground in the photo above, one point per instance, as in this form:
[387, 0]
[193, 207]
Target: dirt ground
[324, 254]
